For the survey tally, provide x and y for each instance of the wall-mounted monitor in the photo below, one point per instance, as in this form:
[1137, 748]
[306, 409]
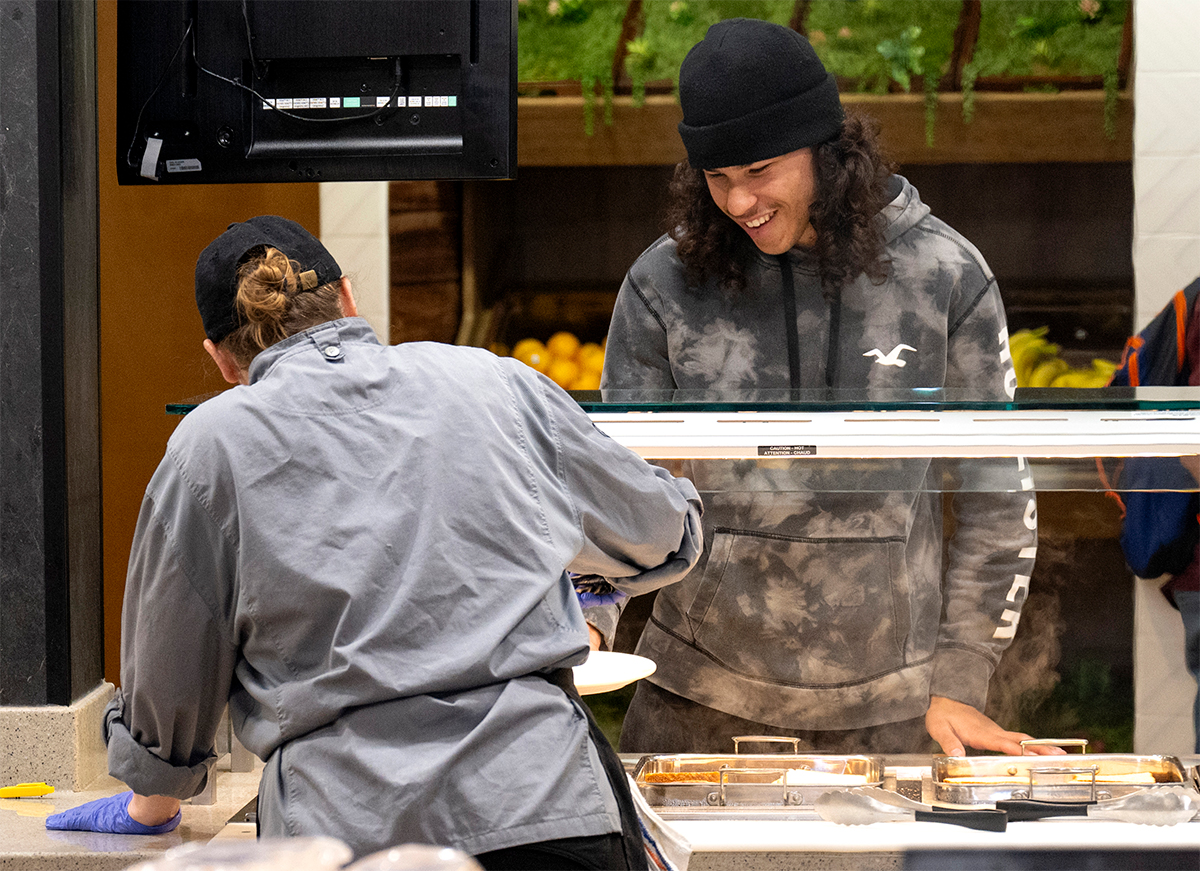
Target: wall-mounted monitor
[220, 91]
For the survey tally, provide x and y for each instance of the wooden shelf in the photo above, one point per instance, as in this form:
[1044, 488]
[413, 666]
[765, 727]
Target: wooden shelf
[1006, 128]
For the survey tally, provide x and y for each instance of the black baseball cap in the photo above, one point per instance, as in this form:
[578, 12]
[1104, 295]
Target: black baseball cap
[217, 266]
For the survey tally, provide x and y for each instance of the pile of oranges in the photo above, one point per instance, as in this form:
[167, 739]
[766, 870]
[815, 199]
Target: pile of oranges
[569, 363]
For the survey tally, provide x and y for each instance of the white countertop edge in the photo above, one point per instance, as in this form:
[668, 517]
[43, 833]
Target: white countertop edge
[817, 836]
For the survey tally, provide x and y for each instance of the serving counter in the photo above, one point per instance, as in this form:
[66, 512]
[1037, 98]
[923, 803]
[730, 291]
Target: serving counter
[798, 839]
[803, 843]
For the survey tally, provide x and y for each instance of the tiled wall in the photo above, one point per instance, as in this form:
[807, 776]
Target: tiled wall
[354, 227]
[1166, 141]
[1166, 256]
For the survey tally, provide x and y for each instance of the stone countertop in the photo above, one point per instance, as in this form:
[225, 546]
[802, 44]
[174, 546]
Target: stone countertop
[27, 845]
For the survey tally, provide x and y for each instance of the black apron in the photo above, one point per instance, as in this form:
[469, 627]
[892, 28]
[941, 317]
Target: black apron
[631, 828]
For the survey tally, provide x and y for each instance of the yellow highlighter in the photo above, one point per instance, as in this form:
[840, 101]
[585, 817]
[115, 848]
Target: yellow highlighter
[25, 790]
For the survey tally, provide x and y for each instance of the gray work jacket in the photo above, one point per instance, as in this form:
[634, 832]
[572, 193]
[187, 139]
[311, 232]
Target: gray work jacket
[364, 552]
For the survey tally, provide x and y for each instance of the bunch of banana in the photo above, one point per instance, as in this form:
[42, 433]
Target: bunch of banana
[1038, 364]
[1097, 375]
[1030, 349]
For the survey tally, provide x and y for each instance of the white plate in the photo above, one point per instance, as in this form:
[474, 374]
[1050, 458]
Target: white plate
[605, 671]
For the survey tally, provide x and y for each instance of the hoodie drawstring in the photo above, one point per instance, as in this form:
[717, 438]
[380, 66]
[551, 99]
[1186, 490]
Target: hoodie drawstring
[793, 331]
[790, 328]
[835, 326]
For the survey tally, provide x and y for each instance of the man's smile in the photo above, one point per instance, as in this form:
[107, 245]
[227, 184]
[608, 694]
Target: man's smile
[760, 220]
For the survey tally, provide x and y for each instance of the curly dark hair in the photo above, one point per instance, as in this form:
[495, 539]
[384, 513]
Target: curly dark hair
[852, 188]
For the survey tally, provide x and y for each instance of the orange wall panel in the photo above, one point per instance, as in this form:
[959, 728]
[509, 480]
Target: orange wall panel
[150, 333]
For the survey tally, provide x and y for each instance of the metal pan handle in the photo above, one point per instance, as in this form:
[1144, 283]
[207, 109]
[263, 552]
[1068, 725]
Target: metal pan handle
[1070, 772]
[720, 798]
[1055, 742]
[795, 742]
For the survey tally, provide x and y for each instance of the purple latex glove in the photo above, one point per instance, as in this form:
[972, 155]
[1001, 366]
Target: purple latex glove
[590, 600]
[593, 590]
[110, 815]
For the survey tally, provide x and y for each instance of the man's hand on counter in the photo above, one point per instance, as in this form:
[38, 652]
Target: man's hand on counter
[121, 814]
[956, 726]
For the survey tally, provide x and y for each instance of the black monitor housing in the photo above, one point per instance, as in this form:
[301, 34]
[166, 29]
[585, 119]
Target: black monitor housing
[220, 91]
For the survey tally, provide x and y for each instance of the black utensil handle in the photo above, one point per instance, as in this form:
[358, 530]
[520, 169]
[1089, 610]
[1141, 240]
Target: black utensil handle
[985, 818]
[1037, 809]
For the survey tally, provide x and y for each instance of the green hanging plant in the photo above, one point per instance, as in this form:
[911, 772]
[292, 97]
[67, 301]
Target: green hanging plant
[870, 45]
[903, 56]
[639, 61]
[607, 85]
[969, 74]
[1111, 93]
[931, 105]
[680, 13]
[588, 83]
[569, 11]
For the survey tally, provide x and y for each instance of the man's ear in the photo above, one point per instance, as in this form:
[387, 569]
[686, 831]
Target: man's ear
[230, 370]
[349, 307]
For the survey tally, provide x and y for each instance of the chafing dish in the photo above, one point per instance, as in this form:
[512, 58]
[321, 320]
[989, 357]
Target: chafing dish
[743, 783]
[1073, 777]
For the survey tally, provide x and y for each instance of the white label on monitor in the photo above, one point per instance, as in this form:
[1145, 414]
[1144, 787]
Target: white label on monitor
[380, 102]
[335, 102]
[150, 157]
[189, 164]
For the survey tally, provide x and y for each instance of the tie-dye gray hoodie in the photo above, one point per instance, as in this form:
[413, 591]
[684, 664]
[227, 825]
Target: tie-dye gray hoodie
[823, 599]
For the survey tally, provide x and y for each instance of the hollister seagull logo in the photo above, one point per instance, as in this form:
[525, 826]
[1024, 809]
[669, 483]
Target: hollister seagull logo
[892, 359]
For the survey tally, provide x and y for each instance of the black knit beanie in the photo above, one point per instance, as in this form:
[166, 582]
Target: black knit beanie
[752, 90]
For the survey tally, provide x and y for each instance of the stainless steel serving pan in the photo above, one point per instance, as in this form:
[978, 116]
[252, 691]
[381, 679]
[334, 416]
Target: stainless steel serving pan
[1073, 777]
[743, 782]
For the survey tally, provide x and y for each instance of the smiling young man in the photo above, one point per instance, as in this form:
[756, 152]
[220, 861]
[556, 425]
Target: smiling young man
[822, 608]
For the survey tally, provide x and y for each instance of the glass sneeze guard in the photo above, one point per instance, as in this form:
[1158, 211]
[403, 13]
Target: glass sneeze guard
[1067, 435]
[1106, 422]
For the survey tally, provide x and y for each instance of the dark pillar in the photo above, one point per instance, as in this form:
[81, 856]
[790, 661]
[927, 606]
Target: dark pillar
[51, 644]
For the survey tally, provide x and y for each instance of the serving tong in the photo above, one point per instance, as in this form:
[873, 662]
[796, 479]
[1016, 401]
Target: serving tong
[1163, 806]
[1166, 806]
[863, 805]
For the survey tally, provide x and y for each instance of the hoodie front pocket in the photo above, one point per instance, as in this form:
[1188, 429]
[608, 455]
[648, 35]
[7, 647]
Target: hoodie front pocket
[803, 611]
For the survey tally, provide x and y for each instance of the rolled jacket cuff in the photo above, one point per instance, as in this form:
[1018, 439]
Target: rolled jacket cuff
[140, 768]
[961, 675]
[605, 618]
